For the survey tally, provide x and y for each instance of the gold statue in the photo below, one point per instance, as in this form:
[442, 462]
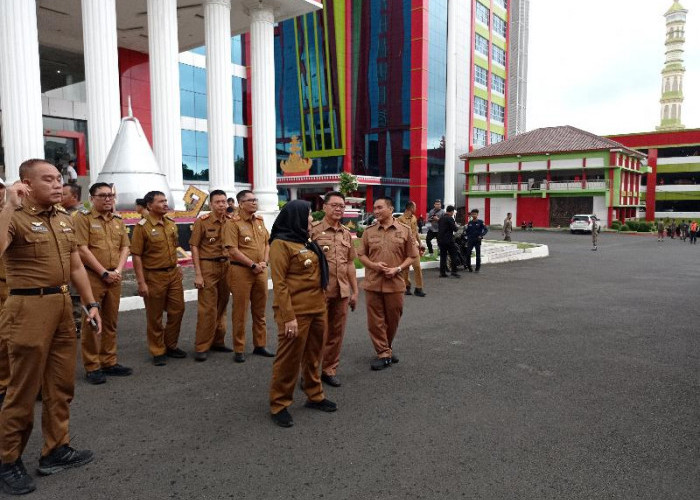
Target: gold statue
[295, 163]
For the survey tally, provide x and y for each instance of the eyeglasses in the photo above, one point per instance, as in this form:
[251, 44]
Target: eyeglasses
[254, 200]
[104, 196]
[336, 206]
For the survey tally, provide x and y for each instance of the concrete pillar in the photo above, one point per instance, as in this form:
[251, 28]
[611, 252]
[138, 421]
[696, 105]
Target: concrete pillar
[217, 37]
[20, 85]
[165, 93]
[293, 193]
[451, 106]
[263, 110]
[101, 79]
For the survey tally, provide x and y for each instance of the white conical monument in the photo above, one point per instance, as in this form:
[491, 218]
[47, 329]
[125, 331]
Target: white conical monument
[131, 166]
[672, 74]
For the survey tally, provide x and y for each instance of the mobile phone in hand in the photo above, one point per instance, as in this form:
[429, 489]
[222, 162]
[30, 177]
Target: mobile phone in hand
[92, 321]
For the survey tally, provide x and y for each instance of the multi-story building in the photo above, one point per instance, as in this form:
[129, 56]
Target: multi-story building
[549, 174]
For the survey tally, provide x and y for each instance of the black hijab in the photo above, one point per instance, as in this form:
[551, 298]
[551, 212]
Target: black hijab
[292, 224]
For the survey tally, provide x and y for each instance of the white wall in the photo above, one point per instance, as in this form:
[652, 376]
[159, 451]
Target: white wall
[463, 14]
[600, 210]
[477, 203]
[500, 207]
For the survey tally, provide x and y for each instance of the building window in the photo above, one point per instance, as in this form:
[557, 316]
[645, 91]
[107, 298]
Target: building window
[195, 156]
[496, 137]
[193, 91]
[502, 3]
[499, 26]
[498, 55]
[479, 137]
[482, 13]
[497, 112]
[480, 106]
[480, 75]
[498, 84]
[481, 45]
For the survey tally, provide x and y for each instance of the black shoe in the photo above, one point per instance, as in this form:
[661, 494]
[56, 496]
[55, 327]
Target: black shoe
[283, 418]
[470, 269]
[261, 351]
[408, 290]
[443, 275]
[331, 380]
[176, 353]
[239, 357]
[117, 370]
[394, 359]
[200, 356]
[324, 405]
[161, 360]
[476, 270]
[15, 480]
[419, 292]
[63, 457]
[221, 348]
[455, 275]
[2, 398]
[95, 377]
[301, 383]
[380, 363]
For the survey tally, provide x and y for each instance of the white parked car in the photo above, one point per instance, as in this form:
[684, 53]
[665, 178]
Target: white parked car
[582, 223]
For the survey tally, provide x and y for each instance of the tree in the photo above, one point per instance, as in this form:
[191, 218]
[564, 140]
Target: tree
[348, 183]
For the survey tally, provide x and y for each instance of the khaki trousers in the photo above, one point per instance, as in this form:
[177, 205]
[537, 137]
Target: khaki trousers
[384, 311]
[100, 351]
[248, 289]
[302, 352]
[39, 332]
[211, 305]
[335, 331]
[165, 294]
[417, 271]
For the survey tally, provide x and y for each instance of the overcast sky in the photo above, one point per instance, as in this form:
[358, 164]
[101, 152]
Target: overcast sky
[595, 64]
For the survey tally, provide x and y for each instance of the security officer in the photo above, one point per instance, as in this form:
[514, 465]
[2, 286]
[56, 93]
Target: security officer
[245, 238]
[387, 249]
[103, 243]
[211, 270]
[335, 241]
[38, 242]
[474, 233]
[159, 278]
[409, 219]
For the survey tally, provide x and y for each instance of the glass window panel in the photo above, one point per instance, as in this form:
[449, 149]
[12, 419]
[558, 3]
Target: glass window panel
[480, 106]
[202, 168]
[479, 137]
[186, 103]
[481, 45]
[497, 112]
[202, 144]
[236, 50]
[499, 55]
[496, 137]
[200, 106]
[499, 26]
[480, 75]
[200, 80]
[186, 77]
[189, 167]
[189, 146]
[482, 13]
[498, 84]
[200, 50]
[240, 154]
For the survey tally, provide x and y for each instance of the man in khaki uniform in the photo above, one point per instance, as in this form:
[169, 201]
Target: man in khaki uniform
[409, 219]
[211, 270]
[38, 243]
[387, 249]
[335, 241]
[4, 361]
[159, 278]
[246, 240]
[103, 243]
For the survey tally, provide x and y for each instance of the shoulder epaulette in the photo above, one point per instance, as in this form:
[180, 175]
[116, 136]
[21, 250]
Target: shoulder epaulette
[205, 216]
[403, 223]
[142, 222]
[345, 227]
[84, 211]
[118, 216]
[60, 209]
[260, 217]
[166, 216]
[315, 223]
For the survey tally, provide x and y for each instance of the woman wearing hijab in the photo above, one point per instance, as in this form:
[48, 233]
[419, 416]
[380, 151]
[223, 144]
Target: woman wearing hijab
[299, 277]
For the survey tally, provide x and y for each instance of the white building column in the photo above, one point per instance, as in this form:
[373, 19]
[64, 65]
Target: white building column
[293, 193]
[101, 79]
[263, 110]
[165, 93]
[450, 106]
[20, 85]
[217, 38]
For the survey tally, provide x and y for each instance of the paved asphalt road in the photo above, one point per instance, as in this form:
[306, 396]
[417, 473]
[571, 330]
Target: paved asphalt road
[574, 376]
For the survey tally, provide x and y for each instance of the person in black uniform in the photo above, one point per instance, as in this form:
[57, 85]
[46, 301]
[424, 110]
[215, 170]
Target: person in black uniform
[446, 242]
[474, 233]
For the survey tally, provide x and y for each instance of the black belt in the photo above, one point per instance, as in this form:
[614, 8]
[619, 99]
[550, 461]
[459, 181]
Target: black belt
[215, 259]
[237, 264]
[161, 268]
[3, 280]
[51, 290]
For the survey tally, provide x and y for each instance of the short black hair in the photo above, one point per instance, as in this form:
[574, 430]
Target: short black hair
[217, 192]
[386, 199]
[474, 211]
[151, 195]
[410, 205]
[28, 165]
[331, 194]
[98, 185]
[242, 193]
[229, 199]
[75, 189]
[140, 202]
[450, 208]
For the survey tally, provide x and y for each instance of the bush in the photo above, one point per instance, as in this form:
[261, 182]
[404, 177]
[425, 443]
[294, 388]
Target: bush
[616, 225]
[359, 232]
[633, 225]
[644, 227]
[624, 227]
[319, 215]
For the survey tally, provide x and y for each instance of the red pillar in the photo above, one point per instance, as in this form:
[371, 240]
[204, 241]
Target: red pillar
[369, 199]
[418, 162]
[652, 155]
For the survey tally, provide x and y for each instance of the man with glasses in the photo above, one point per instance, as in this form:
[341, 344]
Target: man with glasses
[246, 240]
[335, 241]
[103, 244]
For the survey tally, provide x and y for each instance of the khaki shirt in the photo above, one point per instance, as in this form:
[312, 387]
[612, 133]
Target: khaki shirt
[296, 280]
[412, 223]
[155, 242]
[336, 245]
[249, 235]
[104, 235]
[391, 246]
[207, 235]
[41, 242]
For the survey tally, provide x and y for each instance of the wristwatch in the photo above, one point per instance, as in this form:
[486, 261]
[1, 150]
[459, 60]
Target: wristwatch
[253, 265]
[105, 274]
[93, 304]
